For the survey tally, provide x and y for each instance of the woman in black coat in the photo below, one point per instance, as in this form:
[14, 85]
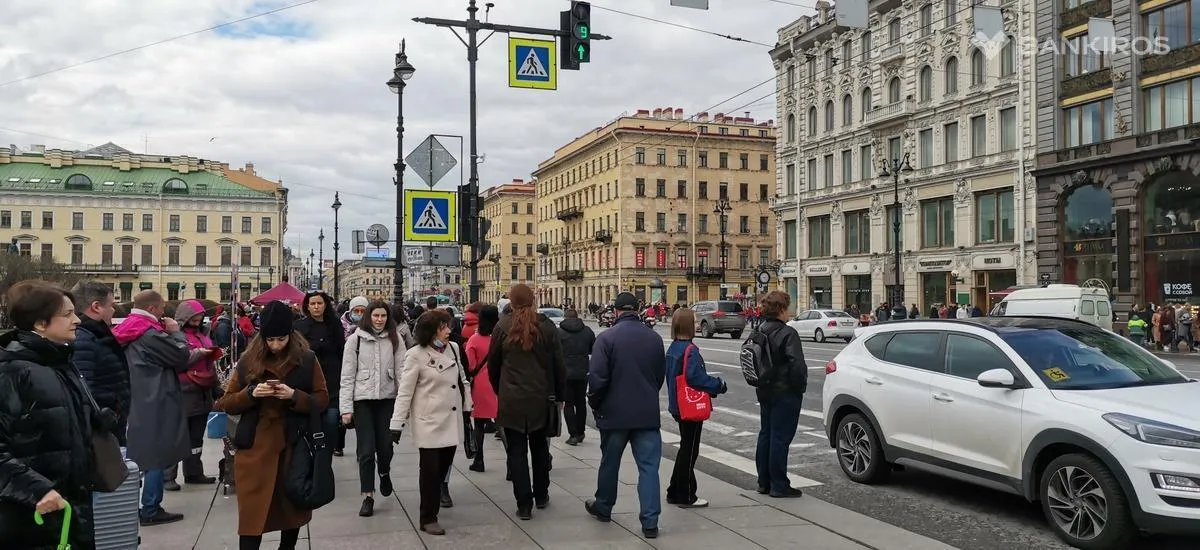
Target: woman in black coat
[46, 459]
[322, 328]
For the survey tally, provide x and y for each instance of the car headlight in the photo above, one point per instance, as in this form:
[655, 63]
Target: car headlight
[1156, 433]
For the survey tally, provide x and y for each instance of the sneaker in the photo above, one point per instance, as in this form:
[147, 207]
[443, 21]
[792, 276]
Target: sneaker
[368, 507]
[651, 533]
[446, 501]
[433, 529]
[524, 513]
[476, 466]
[385, 485]
[572, 441]
[699, 503]
[339, 452]
[171, 485]
[762, 490]
[542, 503]
[160, 517]
[590, 506]
[199, 480]
[790, 492]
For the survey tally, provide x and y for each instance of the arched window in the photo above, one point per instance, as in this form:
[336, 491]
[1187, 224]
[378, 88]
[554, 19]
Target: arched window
[847, 110]
[812, 121]
[926, 82]
[78, 181]
[829, 116]
[978, 67]
[894, 90]
[175, 185]
[952, 75]
[866, 102]
[791, 127]
[1088, 214]
[1171, 203]
[1007, 57]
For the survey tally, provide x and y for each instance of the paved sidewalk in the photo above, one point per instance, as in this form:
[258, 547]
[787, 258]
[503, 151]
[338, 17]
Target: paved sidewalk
[484, 513]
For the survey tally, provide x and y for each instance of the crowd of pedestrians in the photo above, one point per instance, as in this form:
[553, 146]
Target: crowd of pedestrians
[304, 375]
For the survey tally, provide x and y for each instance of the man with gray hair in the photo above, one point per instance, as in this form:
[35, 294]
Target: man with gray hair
[97, 355]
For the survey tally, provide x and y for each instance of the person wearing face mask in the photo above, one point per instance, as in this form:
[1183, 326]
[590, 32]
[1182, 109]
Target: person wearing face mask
[197, 384]
[321, 327]
[46, 459]
[354, 314]
[371, 367]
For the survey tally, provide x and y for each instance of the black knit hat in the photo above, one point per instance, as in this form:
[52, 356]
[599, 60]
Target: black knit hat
[276, 320]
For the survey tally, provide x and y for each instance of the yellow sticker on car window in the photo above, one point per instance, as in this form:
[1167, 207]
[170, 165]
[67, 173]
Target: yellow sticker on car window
[1056, 374]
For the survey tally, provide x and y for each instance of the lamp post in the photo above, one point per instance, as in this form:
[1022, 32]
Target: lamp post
[495, 258]
[337, 204]
[402, 72]
[566, 244]
[892, 169]
[311, 256]
[722, 209]
[321, 259]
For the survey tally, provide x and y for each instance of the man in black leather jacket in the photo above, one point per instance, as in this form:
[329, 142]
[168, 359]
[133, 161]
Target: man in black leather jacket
[779, 397]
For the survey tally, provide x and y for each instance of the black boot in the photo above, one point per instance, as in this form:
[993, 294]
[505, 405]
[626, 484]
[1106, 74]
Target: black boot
[446, 502]
[477, 465]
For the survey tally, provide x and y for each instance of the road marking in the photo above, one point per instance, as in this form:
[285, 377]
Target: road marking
[812, 414]
[735, 412]
[736, 462]
[744, 434]
[801, 445]
[820, 435]
[739, 367]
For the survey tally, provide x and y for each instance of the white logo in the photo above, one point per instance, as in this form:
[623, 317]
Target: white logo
[990, 46]
[532, 66]
[430, 218]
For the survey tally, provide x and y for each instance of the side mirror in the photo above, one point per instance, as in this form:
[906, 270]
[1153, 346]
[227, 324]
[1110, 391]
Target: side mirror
[997, 378]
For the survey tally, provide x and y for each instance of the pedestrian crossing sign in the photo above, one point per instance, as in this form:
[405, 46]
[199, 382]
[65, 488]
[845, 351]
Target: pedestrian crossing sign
[532, 64]
[431, 216]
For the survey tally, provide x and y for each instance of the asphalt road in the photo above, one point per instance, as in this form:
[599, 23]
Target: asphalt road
[960, 514]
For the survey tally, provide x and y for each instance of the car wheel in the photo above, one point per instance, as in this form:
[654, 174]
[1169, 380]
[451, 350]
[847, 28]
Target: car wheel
[705, 329]
[1084, 503]
[736, 334]
[819, 336]
[848, 339]
[858, 450]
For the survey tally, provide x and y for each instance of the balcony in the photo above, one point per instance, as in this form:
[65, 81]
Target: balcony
[895, 112]
[543, 249]
[891, 52]
[782, 201]
[570, 213]
[570, 275]
[605, 236]
[103, 269]
[704, 274]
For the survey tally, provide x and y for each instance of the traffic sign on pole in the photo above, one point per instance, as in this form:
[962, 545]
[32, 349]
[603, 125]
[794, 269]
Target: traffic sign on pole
[431, 161]
[431, 216]
[531, 64]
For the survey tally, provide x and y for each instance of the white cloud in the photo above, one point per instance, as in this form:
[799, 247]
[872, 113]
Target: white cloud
[302, 93]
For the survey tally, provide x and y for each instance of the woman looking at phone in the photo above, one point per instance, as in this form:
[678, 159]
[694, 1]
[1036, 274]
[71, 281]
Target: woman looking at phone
[270, 389]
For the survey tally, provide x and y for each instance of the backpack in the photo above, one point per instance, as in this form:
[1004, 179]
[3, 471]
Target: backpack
[756, 358]
[1185, 317]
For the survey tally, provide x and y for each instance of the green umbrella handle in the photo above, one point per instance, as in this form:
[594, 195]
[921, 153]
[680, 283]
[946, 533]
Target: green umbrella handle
[63, 544]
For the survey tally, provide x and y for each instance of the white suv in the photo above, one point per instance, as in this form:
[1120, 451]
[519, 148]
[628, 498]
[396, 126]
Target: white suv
[1103, 433]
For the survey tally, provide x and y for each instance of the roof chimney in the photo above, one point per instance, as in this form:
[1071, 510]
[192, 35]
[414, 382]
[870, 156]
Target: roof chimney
[657, 113]
[249, 168]
[679, 114]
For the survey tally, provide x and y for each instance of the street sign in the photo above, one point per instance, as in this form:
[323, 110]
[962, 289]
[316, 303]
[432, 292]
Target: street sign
[414, 255]
[377, 234]
[432, 216]
[532, 64]
[431, 161]
[357, 240]
[444, 256]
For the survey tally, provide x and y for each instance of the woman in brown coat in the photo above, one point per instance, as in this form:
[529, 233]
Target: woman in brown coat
[275, 377]
[525, 353]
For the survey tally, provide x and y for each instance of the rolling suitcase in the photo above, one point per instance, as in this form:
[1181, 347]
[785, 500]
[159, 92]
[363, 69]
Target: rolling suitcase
[115, 514]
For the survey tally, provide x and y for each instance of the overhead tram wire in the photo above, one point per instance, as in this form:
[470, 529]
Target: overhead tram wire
[682, 26]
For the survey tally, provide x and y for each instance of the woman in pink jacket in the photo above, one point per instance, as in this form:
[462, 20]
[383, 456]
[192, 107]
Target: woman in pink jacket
[482, 393]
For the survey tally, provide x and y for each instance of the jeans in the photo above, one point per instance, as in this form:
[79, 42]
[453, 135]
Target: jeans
[575, 408]
[521, 448]
[647, 453]
[682, 489]
[434, 466]
[371, 418]
[152, 492]
[778, 416]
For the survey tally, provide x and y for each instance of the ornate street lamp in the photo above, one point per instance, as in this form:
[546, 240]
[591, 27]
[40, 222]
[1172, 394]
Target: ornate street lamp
[893, 169]
[402, 72]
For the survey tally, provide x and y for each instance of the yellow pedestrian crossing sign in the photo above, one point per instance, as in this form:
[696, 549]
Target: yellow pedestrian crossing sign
[532, 64]
[432, 216]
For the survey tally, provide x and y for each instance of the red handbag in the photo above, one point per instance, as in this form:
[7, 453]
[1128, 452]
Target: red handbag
[694, 405]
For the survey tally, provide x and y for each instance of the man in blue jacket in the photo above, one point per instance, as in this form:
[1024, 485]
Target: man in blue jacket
[97, 355]
[625, 376]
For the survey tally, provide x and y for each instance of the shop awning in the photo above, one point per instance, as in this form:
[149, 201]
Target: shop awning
[127, 285]
[199, 285]
[172, 286]
[145, 286]
[226, 286]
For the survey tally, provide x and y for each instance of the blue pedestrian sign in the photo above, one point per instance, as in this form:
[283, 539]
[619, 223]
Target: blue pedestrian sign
[432, 216]
[532, 64]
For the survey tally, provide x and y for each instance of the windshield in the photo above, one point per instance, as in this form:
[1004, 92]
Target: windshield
[550, 312]
[837, 314]
[1087, 359]
[729, 307]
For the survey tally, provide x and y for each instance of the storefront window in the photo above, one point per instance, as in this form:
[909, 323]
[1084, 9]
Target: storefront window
[1088, 214]
[793, 292]
[935, 289]
[820, 292]
[1172, 204]
[858, 292]
[1172, 240]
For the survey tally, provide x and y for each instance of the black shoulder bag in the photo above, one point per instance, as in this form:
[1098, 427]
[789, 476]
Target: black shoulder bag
[553, 415]
[108, 469]
[464, 377]
[309, 479]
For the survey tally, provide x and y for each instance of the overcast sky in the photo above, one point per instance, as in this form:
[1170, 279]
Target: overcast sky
[302, 93]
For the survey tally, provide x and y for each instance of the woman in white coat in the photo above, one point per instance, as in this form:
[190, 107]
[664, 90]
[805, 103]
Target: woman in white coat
[371, 366]
[430, 402]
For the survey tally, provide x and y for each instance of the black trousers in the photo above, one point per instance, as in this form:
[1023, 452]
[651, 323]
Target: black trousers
[575, 407]
[192, 465]
[477, 435]
[374, 449]
[682, 489]
[522, 446]
[434, 465]
[287, 540]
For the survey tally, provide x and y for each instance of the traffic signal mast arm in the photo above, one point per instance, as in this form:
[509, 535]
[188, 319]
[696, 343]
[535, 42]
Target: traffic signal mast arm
[505, 28]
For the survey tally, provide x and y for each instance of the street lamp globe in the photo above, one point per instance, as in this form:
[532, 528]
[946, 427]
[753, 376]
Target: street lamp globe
[404, 71]
[337, 202]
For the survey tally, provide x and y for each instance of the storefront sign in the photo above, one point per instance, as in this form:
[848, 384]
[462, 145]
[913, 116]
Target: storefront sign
[854, 268]
[1177, 289]
[935, 264]
[660, 259]
[639, 257]
[1088, 247]
[1174, 241]
[993, 261]
[821, 269]
[787, 271]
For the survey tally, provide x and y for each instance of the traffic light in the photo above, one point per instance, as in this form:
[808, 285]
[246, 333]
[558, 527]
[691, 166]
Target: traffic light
[479, 251]
[576, 46]
[466, 230]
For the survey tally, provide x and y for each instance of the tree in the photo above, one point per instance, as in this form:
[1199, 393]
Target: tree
[15, 268]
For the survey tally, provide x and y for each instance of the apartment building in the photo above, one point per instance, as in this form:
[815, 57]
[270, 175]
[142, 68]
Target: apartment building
[512, 258]
[911, 89]
[1117, 185]
[173, 224]
[634, 206]
[370, 277]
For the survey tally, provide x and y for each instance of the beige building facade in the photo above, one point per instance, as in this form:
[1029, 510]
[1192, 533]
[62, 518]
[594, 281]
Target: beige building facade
[174, 224]
[513, 257]
[632, 206]
[371, 278]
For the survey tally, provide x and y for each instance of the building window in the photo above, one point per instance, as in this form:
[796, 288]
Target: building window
[1093, 122]
[723, 190]
[227, 224]
[865, 44]
[950, 142]
[1173, 104]
[514, 208]
[226, 256]
[894, 90]
[1008, 57]
[847, 110]
[528, 228]
[660, 222]
[661, 157]
[858, 232]
[5, 219]
[937, 223]
[76, 254]
[702, 190]
[978, 68]
[26, 219]
[266, 225]
[264, 256]
[829, 116]
[639, 155]
[994, 210]
[47, 220]
[246, 256]
[812, 121]
[47, 252]
[894, 31]
[951, 75]
[789, 239]
[865, 100]
[127, 222]
[147, 255]
[681, 158]
[894, 150]
[1080, 58]
[847, 166]
[819, 237]
[790, 127]
[926, 83]
[723, 161]
[1008, 129]
[978, 135]
[201, 256]
[173, 223]
[762, 192]
[660, 188]
[828, 170]
[106, 254]
[639, 187]
[639, 221]
[173, 254]
[744, 161]
[743, 192]
[681, 223]
[789, 179]
[246, 224]
[702, 159]
[865, 162]
[202, 224]
[106, 221]
[950, 7]
[810, 175]
[528, 272]
[744, 224]
[1172, 23]
[763, 225]
[743, 259]
[702, 223]
[147, 222]
[894, 215]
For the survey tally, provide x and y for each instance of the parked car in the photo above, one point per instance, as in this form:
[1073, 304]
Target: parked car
[1067, 301]
[1103, 434]
[556, 315]
[720, 316]
[820, 324]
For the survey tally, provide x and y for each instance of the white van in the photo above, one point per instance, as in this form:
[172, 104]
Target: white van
[1070, 301]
